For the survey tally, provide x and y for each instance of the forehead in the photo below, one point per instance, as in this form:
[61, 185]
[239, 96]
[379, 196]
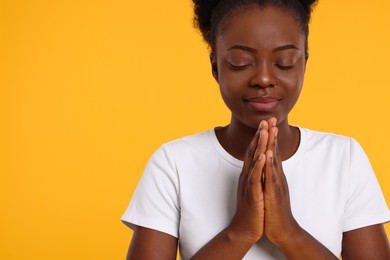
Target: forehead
[263, 28]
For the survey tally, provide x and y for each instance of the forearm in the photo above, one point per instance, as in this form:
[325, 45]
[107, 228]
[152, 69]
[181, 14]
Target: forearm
[302, 245]
[226, 245]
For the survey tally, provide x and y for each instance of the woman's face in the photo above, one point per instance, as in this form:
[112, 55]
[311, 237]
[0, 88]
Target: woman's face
[259, 64]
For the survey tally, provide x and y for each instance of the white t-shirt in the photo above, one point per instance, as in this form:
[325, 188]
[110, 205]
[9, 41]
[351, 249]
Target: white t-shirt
[188, 190]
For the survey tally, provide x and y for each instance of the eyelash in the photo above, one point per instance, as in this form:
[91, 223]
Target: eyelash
[238, 68]
[284, 67]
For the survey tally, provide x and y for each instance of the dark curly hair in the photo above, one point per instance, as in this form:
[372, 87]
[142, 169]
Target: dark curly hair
[211, 14]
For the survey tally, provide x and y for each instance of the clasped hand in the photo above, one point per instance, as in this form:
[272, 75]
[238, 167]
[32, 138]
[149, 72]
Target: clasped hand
[263, 203]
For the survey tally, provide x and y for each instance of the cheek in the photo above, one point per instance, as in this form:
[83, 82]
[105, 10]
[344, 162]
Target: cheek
[230, 84]
[234, 80]
[228, 94]
[292, 86]
[231, 93]
[292, 83]
[292, 79]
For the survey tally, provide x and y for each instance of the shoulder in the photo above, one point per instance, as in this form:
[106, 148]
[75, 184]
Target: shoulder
[343, 151]
[196, 143]
[185, 148]
[195, 140]
[334, 148]
[329, 142]
[325, 137]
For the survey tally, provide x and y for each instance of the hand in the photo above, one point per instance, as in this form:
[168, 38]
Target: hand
[279, 223]
[263, 207]
[248, 220]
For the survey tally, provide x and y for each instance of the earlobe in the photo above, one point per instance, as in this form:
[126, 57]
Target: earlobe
[214, 67]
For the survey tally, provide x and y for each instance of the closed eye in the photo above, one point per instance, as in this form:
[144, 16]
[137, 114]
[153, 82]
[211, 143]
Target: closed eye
[238, 68]
[284, 67]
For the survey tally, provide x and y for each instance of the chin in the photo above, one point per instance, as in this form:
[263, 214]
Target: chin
[252, 120]
[255, 122]
[262, 117]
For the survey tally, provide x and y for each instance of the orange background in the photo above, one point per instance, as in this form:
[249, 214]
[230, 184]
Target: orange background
[89, 89]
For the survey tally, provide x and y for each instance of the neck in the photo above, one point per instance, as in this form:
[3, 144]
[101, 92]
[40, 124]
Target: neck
[236, 137]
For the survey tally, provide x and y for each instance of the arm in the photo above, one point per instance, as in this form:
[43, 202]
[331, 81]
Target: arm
[366, 243]
[247, 224]
[280, 226]
[226, 245]
[301, 245]
[277, 220]
[155, 201]
[364, 240]
[149, 244]
[233, 242]
[245, 228]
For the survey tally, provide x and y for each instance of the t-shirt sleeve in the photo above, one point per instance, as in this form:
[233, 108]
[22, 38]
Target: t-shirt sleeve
[365, 204]
[155, 202]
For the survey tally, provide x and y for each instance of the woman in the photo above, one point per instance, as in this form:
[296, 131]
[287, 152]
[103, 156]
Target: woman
[258, 188]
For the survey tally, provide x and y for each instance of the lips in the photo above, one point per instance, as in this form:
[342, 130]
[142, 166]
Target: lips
[262, 103]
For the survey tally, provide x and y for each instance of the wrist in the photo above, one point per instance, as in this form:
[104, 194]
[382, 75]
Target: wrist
[235, 236]
[298, 244]
[294, 234]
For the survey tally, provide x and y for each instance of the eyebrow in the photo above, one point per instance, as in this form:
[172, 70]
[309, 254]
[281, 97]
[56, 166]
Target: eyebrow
[241, 47]
[249, 49]
[285, 47]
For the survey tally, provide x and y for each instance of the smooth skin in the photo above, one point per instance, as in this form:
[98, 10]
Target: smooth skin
[246, 66]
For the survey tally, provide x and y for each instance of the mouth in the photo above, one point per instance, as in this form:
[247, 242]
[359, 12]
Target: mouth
[262, 103]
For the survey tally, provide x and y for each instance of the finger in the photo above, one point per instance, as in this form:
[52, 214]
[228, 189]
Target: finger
[264, 135]
[272, 122]
[255, 186]
[272, 139]
[257, 152]
[273, 145]
[262, 142]
[276, 148]
[272, 186]
[250, 154]
[278, 160]
[269, 172]
[264, 125]
[247, 164]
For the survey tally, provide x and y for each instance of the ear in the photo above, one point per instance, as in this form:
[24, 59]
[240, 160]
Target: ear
[214, 67]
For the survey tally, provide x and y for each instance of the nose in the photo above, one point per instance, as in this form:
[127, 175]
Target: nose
[263, 76]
